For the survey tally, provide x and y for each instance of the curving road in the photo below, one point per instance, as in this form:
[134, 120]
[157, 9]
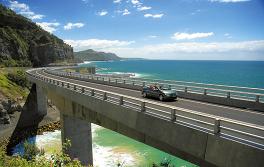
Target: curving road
[244, 115]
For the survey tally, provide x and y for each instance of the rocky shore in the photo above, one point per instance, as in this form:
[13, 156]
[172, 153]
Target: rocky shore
[10, 135]
[26, 133]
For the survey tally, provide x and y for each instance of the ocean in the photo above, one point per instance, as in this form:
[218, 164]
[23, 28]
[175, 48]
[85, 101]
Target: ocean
[237, 73]
[110, 148]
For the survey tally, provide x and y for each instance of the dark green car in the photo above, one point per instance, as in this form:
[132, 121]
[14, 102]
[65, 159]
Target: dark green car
[160, 92]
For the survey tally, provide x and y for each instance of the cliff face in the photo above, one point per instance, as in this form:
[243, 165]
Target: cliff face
[23, 43]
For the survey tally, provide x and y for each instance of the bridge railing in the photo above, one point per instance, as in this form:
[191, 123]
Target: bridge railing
[234, 92]
[236, 130]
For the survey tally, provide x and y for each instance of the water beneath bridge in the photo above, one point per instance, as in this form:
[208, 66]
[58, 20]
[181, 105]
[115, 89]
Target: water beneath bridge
[109, 149]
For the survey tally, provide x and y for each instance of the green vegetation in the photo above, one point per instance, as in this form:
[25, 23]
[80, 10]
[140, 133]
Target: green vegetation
[13, 83]
[31, 151]
[91, 55]
[23, 43]
[19, 77]
[35, 158]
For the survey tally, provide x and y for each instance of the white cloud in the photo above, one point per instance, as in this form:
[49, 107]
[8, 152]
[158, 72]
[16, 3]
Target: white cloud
[182, 36]
[117, 1]
[97, 44]
[142, 8]
[125, 12]
[50, 27]
[136, 2]
[153, 15]
[245, 50]
[70, 25]
[24, 10]
[229, 1]
[102, 13]
[228, 35]
[152, 36]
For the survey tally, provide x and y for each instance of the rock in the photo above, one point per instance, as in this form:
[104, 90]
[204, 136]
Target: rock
[7, 104]
[1, 110]
[5, 119]
[19, 108]
[49, 103]
[14, 107]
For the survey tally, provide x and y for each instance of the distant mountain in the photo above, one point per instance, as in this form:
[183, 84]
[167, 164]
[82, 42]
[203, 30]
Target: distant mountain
[23, 43]
[91, 55]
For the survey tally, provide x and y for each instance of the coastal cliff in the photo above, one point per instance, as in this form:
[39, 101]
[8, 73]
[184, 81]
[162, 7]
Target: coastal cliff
[23, 43]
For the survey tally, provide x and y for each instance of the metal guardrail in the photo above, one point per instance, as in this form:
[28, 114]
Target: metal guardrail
[247, 133]
[234, 92]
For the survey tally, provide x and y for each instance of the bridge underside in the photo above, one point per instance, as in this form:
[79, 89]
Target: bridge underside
[193, 145]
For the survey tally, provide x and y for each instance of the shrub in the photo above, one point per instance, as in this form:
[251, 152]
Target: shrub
[8, 62]
[31, 151]
[19, 77]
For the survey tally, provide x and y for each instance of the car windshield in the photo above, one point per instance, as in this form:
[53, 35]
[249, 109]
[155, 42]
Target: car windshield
[165, 88]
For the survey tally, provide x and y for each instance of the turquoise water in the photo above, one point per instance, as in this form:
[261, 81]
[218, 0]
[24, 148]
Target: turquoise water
[109, 149]
[238, 73]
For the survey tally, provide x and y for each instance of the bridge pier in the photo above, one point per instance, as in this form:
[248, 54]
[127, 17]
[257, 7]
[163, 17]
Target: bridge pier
[41, 101]
[80, 135]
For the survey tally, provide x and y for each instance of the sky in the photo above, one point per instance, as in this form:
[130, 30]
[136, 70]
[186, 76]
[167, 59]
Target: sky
[154, 29]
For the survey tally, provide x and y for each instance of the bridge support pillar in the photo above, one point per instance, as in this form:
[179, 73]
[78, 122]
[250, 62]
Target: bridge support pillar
[41, 101]
[80, 135]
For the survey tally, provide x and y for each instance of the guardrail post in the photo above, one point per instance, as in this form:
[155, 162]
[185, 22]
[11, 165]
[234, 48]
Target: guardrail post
[116, 81]
[133, 83]
[170, 86]
[143, 84]
[58, 82]
[62, 84]
[124, 81]
[121, 100]
[68, 85]
[217, 126]
[143, 106]
[103, 78]
[97, 78]
[186, 89]
[82, 89]
[173, 114]
[257, 98]
[92, 92]
[109, 80]
[104, 96]
[205, 91]
[74, 87]
[54, 82]
[228, 95]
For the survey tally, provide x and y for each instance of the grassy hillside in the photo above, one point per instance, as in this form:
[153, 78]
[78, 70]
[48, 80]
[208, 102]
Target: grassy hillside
[23, 43]
[11, 88]
[91, 55]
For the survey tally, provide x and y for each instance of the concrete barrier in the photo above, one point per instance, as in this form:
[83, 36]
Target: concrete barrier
[252, 105]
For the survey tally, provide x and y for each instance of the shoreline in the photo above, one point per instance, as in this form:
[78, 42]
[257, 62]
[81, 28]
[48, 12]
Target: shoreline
[12, 135]
[27, 133]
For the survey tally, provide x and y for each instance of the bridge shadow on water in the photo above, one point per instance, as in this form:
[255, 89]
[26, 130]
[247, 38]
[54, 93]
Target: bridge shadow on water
[27, 125]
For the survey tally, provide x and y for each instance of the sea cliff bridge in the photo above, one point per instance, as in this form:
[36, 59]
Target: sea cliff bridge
[209, 125]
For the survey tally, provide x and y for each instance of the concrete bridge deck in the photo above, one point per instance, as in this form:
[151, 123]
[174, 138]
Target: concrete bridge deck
[244, 115]
[196, 131]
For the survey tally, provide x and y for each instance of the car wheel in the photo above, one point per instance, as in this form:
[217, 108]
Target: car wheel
[144, 94]
[161, 98]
